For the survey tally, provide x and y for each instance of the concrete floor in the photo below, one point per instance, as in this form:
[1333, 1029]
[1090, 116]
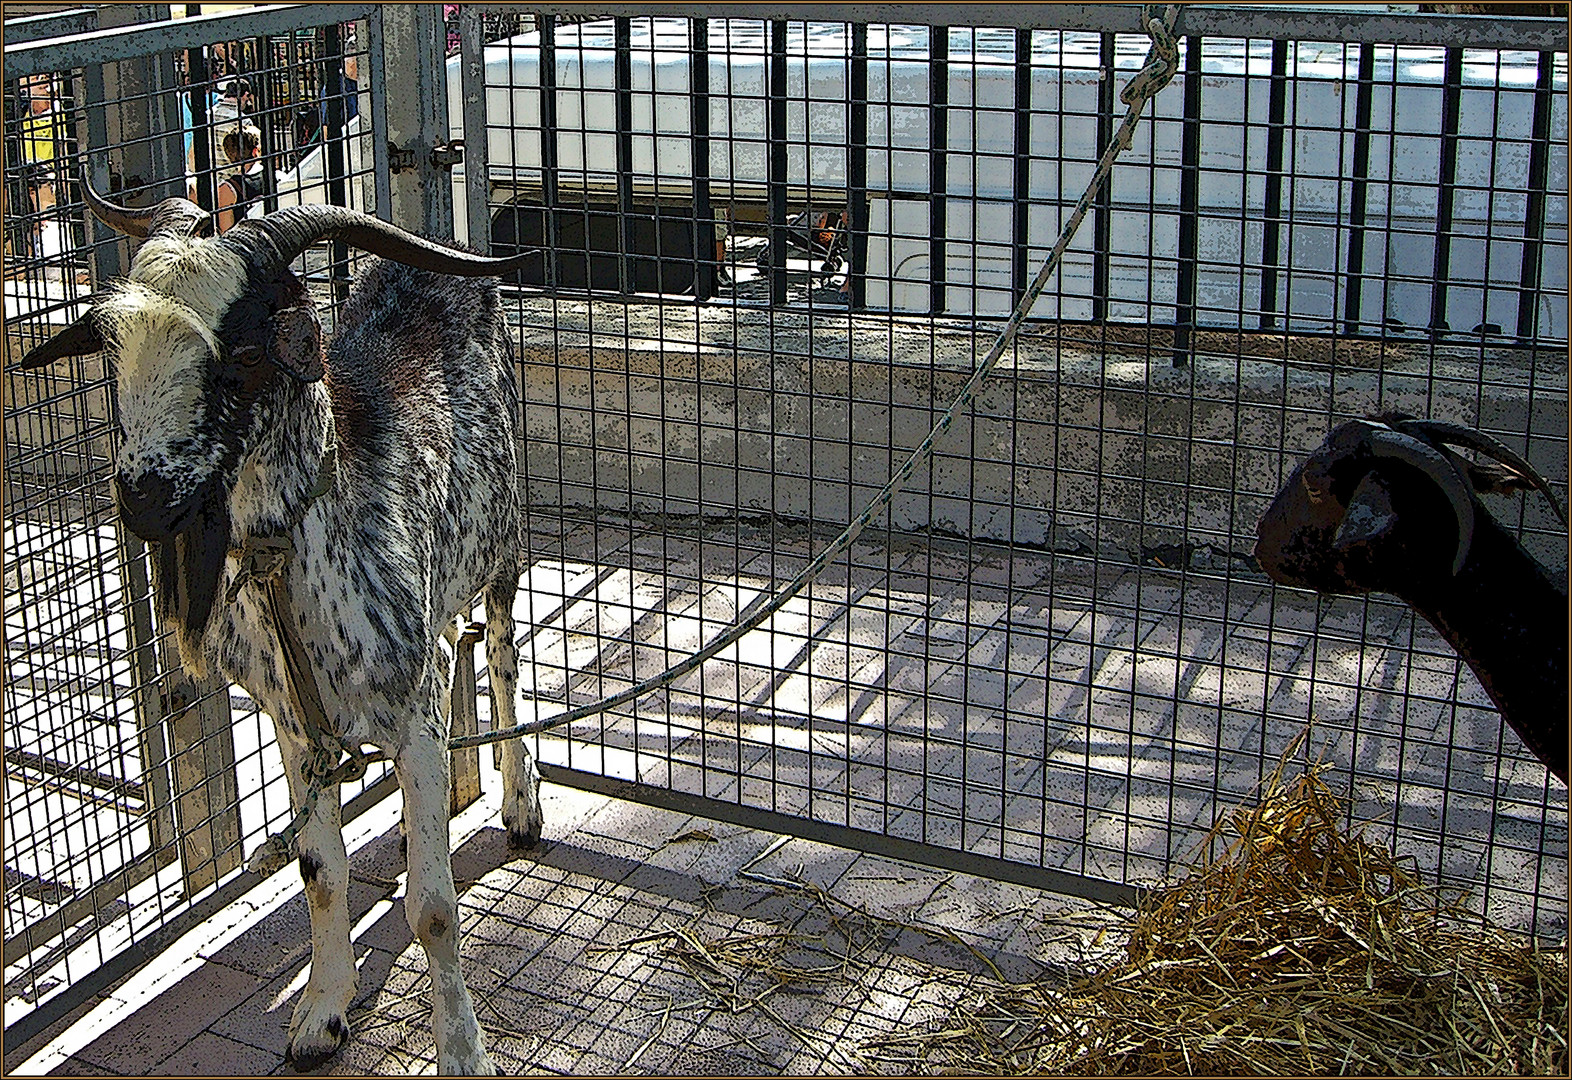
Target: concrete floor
[587, 956]
[1084, 716]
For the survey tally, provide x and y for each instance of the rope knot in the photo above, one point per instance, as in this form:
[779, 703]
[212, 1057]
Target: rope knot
[1162, 59]
[262, 559]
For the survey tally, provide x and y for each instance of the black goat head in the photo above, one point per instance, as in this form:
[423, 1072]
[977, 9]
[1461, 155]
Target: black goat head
[1384, 504]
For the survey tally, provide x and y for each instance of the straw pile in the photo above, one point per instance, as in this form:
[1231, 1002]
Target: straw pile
[1300, 949]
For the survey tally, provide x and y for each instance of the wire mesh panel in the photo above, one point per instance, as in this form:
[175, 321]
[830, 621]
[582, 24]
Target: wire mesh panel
[131, 792]
[772, 251]
[769, 253]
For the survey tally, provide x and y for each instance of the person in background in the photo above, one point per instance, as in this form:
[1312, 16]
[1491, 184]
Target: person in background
[245, 185]
[351, 93]
[40, 134]
[234, 101]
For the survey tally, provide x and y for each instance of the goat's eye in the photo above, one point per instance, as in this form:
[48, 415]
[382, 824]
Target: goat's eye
[248, 355]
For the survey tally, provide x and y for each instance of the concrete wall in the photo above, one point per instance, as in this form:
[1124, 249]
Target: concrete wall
[1070, 445]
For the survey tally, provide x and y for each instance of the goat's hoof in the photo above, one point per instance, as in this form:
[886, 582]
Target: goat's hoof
[314, 1043]
[524, 839]
[478, 1066]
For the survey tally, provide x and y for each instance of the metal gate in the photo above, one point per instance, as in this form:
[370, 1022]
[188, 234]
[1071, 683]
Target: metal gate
[132, 794]
[773, 250]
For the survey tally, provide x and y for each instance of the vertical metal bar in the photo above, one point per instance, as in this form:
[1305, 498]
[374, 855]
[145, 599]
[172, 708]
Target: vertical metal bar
[1102, 220]
[463, 716]
[171, 145]
[623, 85]
[857, 167]
[1354, 267]
[548, 145]
[1451, 105]
[1189, 216]
[201, 130]
[775, 138]
[376, 79]
[938, 163]
[334, 148]
[1538, 191]
[107, 259]
[265, 86]
[1021, 211]
[477, 166]
[1272, 223]
[146, 698]
[705, 264]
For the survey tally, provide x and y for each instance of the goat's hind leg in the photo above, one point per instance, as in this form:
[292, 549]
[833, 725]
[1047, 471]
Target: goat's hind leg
[521, 814]
[319, 1026]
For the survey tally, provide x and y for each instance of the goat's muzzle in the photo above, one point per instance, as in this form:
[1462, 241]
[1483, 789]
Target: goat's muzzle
[149, 509]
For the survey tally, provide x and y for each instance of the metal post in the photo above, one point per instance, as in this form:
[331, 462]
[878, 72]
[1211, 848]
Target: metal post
[1189, 211]
[1538, 190]
[938, 167]
[1451, 106]
[857, 169]
[1363, 93]
[477, 186]
[1271, 218]
[416, 103]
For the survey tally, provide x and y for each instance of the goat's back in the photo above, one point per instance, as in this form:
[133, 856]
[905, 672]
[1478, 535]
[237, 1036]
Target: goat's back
[420, 373]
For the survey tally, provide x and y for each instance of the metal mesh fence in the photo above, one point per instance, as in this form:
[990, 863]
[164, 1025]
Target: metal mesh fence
[771, 253]
[1061, 657]
[130, 792]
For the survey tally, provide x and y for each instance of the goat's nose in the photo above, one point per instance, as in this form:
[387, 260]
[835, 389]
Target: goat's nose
[146, 504]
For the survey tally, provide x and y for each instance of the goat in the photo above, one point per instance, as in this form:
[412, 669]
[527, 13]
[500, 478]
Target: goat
[233, 414]
[1383, 505]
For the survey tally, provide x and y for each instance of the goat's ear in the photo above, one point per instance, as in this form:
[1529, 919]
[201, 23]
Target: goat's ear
[297, 342]
[1369, 519]
[77, 339]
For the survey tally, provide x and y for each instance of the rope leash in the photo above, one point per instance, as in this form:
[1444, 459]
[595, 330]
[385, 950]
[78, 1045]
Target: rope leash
[1162, 61]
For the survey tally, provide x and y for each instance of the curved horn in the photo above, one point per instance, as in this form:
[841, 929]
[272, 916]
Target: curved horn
[1388, 443]
[78, 339]
[181, 216]
[291, 230]
[1458, 435]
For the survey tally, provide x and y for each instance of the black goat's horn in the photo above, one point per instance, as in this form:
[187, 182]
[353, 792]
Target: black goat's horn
[1457, 435]
[181, 216]
[1386, 442]
[291, 230]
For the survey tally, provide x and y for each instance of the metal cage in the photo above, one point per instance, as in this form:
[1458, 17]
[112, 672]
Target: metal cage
[1055, 660]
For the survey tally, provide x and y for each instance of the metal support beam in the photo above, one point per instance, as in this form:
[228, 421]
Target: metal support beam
[421, 197]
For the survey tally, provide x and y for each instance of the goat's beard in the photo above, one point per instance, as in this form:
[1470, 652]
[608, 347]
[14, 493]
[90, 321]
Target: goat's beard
[187, 574]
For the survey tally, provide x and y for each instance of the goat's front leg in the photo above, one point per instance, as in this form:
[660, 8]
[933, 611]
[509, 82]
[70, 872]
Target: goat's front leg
[319, 1028]
[431, 902]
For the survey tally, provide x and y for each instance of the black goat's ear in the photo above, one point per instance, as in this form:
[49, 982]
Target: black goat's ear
[1369, 519]
[77, 339]
[296, 345]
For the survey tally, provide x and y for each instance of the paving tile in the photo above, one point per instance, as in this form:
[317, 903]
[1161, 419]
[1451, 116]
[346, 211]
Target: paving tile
[213, 1055]
[175, 1017]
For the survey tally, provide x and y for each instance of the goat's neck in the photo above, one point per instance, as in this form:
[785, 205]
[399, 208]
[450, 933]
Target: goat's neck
[1507, 618]
[277, 478]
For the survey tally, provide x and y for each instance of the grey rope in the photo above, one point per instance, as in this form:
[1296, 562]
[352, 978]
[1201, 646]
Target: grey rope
[1162, 60]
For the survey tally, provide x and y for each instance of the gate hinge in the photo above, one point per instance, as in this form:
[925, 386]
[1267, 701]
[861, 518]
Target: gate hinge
[443, 156]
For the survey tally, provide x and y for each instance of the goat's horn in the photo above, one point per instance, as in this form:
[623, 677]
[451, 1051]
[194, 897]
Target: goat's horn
[181, 216]
[1458, 435]
[291, 230]
[77, 339]
[1388, 443]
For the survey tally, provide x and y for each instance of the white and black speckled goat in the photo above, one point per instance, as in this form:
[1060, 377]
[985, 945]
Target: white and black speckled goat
[232, 413]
